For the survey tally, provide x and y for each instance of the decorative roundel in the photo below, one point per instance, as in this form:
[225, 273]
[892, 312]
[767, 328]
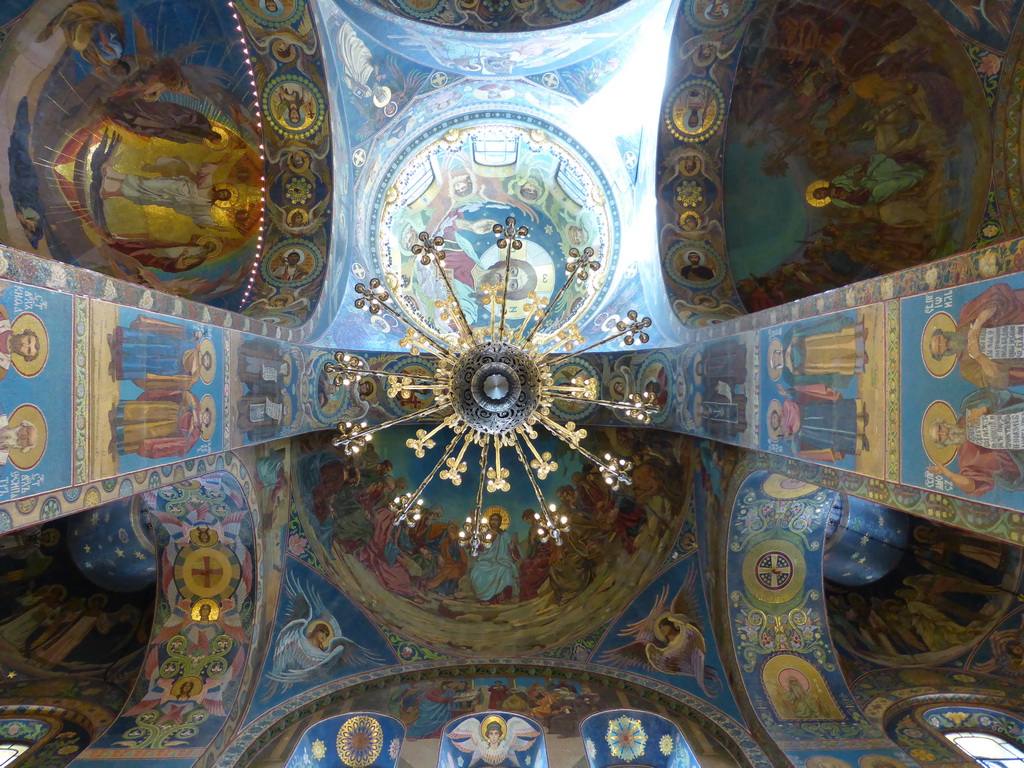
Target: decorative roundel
[774, 570]
[292, 264]
[569, 10]
[272, 14]
[695, 111]
[206, 571]
[578, 368]
[715, 15]
[415, 400]
[422, 10]
[654, 378]
[360, 741]
[294, 106]
[694, 265]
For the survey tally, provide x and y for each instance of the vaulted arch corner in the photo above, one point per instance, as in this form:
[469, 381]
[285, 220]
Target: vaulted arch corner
[746, 280]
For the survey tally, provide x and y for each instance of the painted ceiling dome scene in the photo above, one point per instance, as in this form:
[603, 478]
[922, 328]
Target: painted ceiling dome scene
[511, 383]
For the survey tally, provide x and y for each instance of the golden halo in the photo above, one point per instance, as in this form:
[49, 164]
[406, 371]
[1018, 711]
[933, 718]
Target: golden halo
[317, 625]
[206, 372]
[207, 404]
[774, 434]
[940, 321]
[27, 321]
[781, 487]
[686, 216]
[813, 187]
[937, 411]
[26, 459]
[196, 690]
[231, 200]
[193, 536]
[698, 358]
[222, 141]
[286, 377]
[197, 614]
[381, 96]
[497, 511]
[493, 719]
[657, 627]
[775, 345]
[209, 239]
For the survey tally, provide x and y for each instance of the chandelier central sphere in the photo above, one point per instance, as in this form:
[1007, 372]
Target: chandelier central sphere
[495, 387]
[492, 386]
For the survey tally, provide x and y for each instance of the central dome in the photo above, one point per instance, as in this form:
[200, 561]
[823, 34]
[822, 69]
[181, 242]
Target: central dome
[458, 183]
[495, 387]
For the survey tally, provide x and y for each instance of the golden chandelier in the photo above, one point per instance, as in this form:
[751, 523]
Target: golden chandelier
[491, 385]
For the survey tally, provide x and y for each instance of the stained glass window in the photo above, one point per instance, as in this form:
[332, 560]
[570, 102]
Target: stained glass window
[990, 751]
[10, 752]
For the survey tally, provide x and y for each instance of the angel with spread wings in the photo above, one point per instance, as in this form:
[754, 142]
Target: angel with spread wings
[494, 741]
[669, 641]
[311, 645]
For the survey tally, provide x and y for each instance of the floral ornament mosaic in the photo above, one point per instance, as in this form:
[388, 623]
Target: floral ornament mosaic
[591, 749]
[360, 741]
[319, 749]
[666, 744]
[626, 738]
[394, 748]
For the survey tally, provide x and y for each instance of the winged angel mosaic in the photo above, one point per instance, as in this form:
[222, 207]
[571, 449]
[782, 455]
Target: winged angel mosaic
[311, 645]
[669, 641]
[494, 740]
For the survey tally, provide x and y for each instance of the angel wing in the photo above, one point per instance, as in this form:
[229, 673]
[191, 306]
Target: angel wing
[467, 738]
[520, 734]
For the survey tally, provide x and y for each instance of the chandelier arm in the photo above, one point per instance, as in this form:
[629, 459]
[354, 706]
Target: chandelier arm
[403, 419]
[426, 481]
[475, 542]
[423, 440]
[456, 467]
[336, 368]
[464, 328]
[551, 304]
[548, 526]
[427, 251]
[440, 348]
[504, 287]
[606, 403]
[567, 355]
[561, 433]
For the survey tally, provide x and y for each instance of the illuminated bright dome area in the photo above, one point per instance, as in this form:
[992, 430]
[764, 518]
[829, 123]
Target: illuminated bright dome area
[511, 383]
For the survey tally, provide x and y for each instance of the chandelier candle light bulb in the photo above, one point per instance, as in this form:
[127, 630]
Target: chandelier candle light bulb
[492, 386]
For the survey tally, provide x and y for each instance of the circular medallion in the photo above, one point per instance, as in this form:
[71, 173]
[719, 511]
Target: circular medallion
[295, 106]
[494, 387]
[715, 15]
[782, 487]
[207, 360]
[292, 264]
[695, 110]
[271, 14]
[938, 418]
[29, 427]
[936, 352]
[654, 379]
[33, 342]
[576, 368]
[773, 571]
[360, 741]
[206, 572]
[695, 265]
